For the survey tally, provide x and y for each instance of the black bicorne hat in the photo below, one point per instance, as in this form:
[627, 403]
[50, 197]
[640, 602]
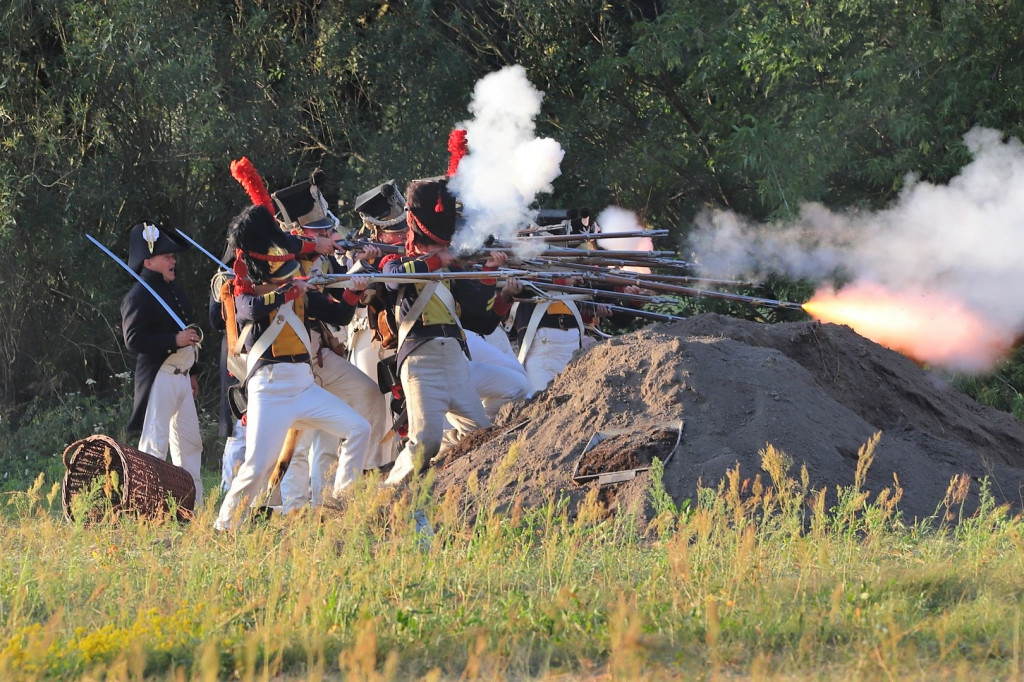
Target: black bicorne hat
[145, 240]
[303, 205]
[432, 210]
[262, 245]
[382, 207]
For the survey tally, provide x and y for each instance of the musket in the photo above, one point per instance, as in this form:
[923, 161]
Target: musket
[601, 293]
[586, 236]
[344, 281]
[170, 311]
[646, 314]
[216, 260]
[359, 245]
[698, 293]
[685, 279]
[659, 277]
[635, 312]
[596, 259]
[561, 253]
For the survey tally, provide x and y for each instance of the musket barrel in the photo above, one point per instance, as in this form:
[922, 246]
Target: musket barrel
[342, 279]
[587, 236]
[699, 293]
[602, 293]
[635, 312]
[359, 245]
[562, 253]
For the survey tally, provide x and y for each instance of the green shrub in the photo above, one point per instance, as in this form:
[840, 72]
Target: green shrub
[33, 438]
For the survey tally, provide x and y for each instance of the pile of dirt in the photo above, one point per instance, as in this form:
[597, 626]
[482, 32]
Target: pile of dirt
[816, 392]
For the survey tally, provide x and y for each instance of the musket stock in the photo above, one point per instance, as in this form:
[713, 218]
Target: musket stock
[359, 245]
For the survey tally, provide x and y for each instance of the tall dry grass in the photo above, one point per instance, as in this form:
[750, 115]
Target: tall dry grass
[760, 577]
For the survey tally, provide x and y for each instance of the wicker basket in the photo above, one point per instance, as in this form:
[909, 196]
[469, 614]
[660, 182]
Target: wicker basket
[143, 483]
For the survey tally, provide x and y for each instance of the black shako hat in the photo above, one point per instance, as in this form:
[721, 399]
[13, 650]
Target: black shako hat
[303, 204]
[145, 240]
[382, 207]
[261, 245]
[432, 210]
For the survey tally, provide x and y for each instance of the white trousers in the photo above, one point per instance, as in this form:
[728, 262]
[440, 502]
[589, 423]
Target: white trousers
[497, 376]
[499, 339]
[550, 352]
[364, 353]
[437, 385]
[171, 423]
[321, 464]
[496, 385]
[234, 455]
[296, 486]
[283, 396]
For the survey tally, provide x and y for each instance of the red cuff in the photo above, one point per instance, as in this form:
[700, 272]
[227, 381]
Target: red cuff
[352, 297]
[433, 262]
[291, 293]
[501, 308]
[490, 281]
[308, 246]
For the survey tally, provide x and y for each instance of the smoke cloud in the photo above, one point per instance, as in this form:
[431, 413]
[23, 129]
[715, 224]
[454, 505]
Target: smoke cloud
[506, 165]
[964, 239]
[614, 219]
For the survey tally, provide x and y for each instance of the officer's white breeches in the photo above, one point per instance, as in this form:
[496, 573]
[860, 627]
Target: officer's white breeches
[172, 423]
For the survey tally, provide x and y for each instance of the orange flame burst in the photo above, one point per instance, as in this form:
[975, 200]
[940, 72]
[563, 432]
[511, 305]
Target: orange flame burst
[928, 327]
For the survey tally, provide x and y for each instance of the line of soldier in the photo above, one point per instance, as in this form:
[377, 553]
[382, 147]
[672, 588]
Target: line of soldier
[335, 382]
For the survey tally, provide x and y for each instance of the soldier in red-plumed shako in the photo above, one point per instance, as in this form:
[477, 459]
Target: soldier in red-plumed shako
[432, 352]
[320, 471]
[281, 392]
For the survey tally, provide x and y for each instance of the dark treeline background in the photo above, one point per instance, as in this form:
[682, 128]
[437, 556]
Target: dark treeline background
[112, 111]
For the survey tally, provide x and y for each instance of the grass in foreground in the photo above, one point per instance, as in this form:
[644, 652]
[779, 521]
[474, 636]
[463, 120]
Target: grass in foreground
[756, 579]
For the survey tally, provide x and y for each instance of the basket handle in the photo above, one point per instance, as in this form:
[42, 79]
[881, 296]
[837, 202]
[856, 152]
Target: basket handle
[68, 457]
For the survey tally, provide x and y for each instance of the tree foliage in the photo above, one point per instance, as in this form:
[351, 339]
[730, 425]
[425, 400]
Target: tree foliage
[112, 111]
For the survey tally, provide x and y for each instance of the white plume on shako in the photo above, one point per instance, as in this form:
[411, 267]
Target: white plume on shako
[506, 166]
[935, 276]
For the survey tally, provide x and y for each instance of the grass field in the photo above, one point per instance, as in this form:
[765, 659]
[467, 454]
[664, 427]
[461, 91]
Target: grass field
[754, 579]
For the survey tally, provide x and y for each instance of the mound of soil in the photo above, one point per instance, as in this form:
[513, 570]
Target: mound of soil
[817, 392]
